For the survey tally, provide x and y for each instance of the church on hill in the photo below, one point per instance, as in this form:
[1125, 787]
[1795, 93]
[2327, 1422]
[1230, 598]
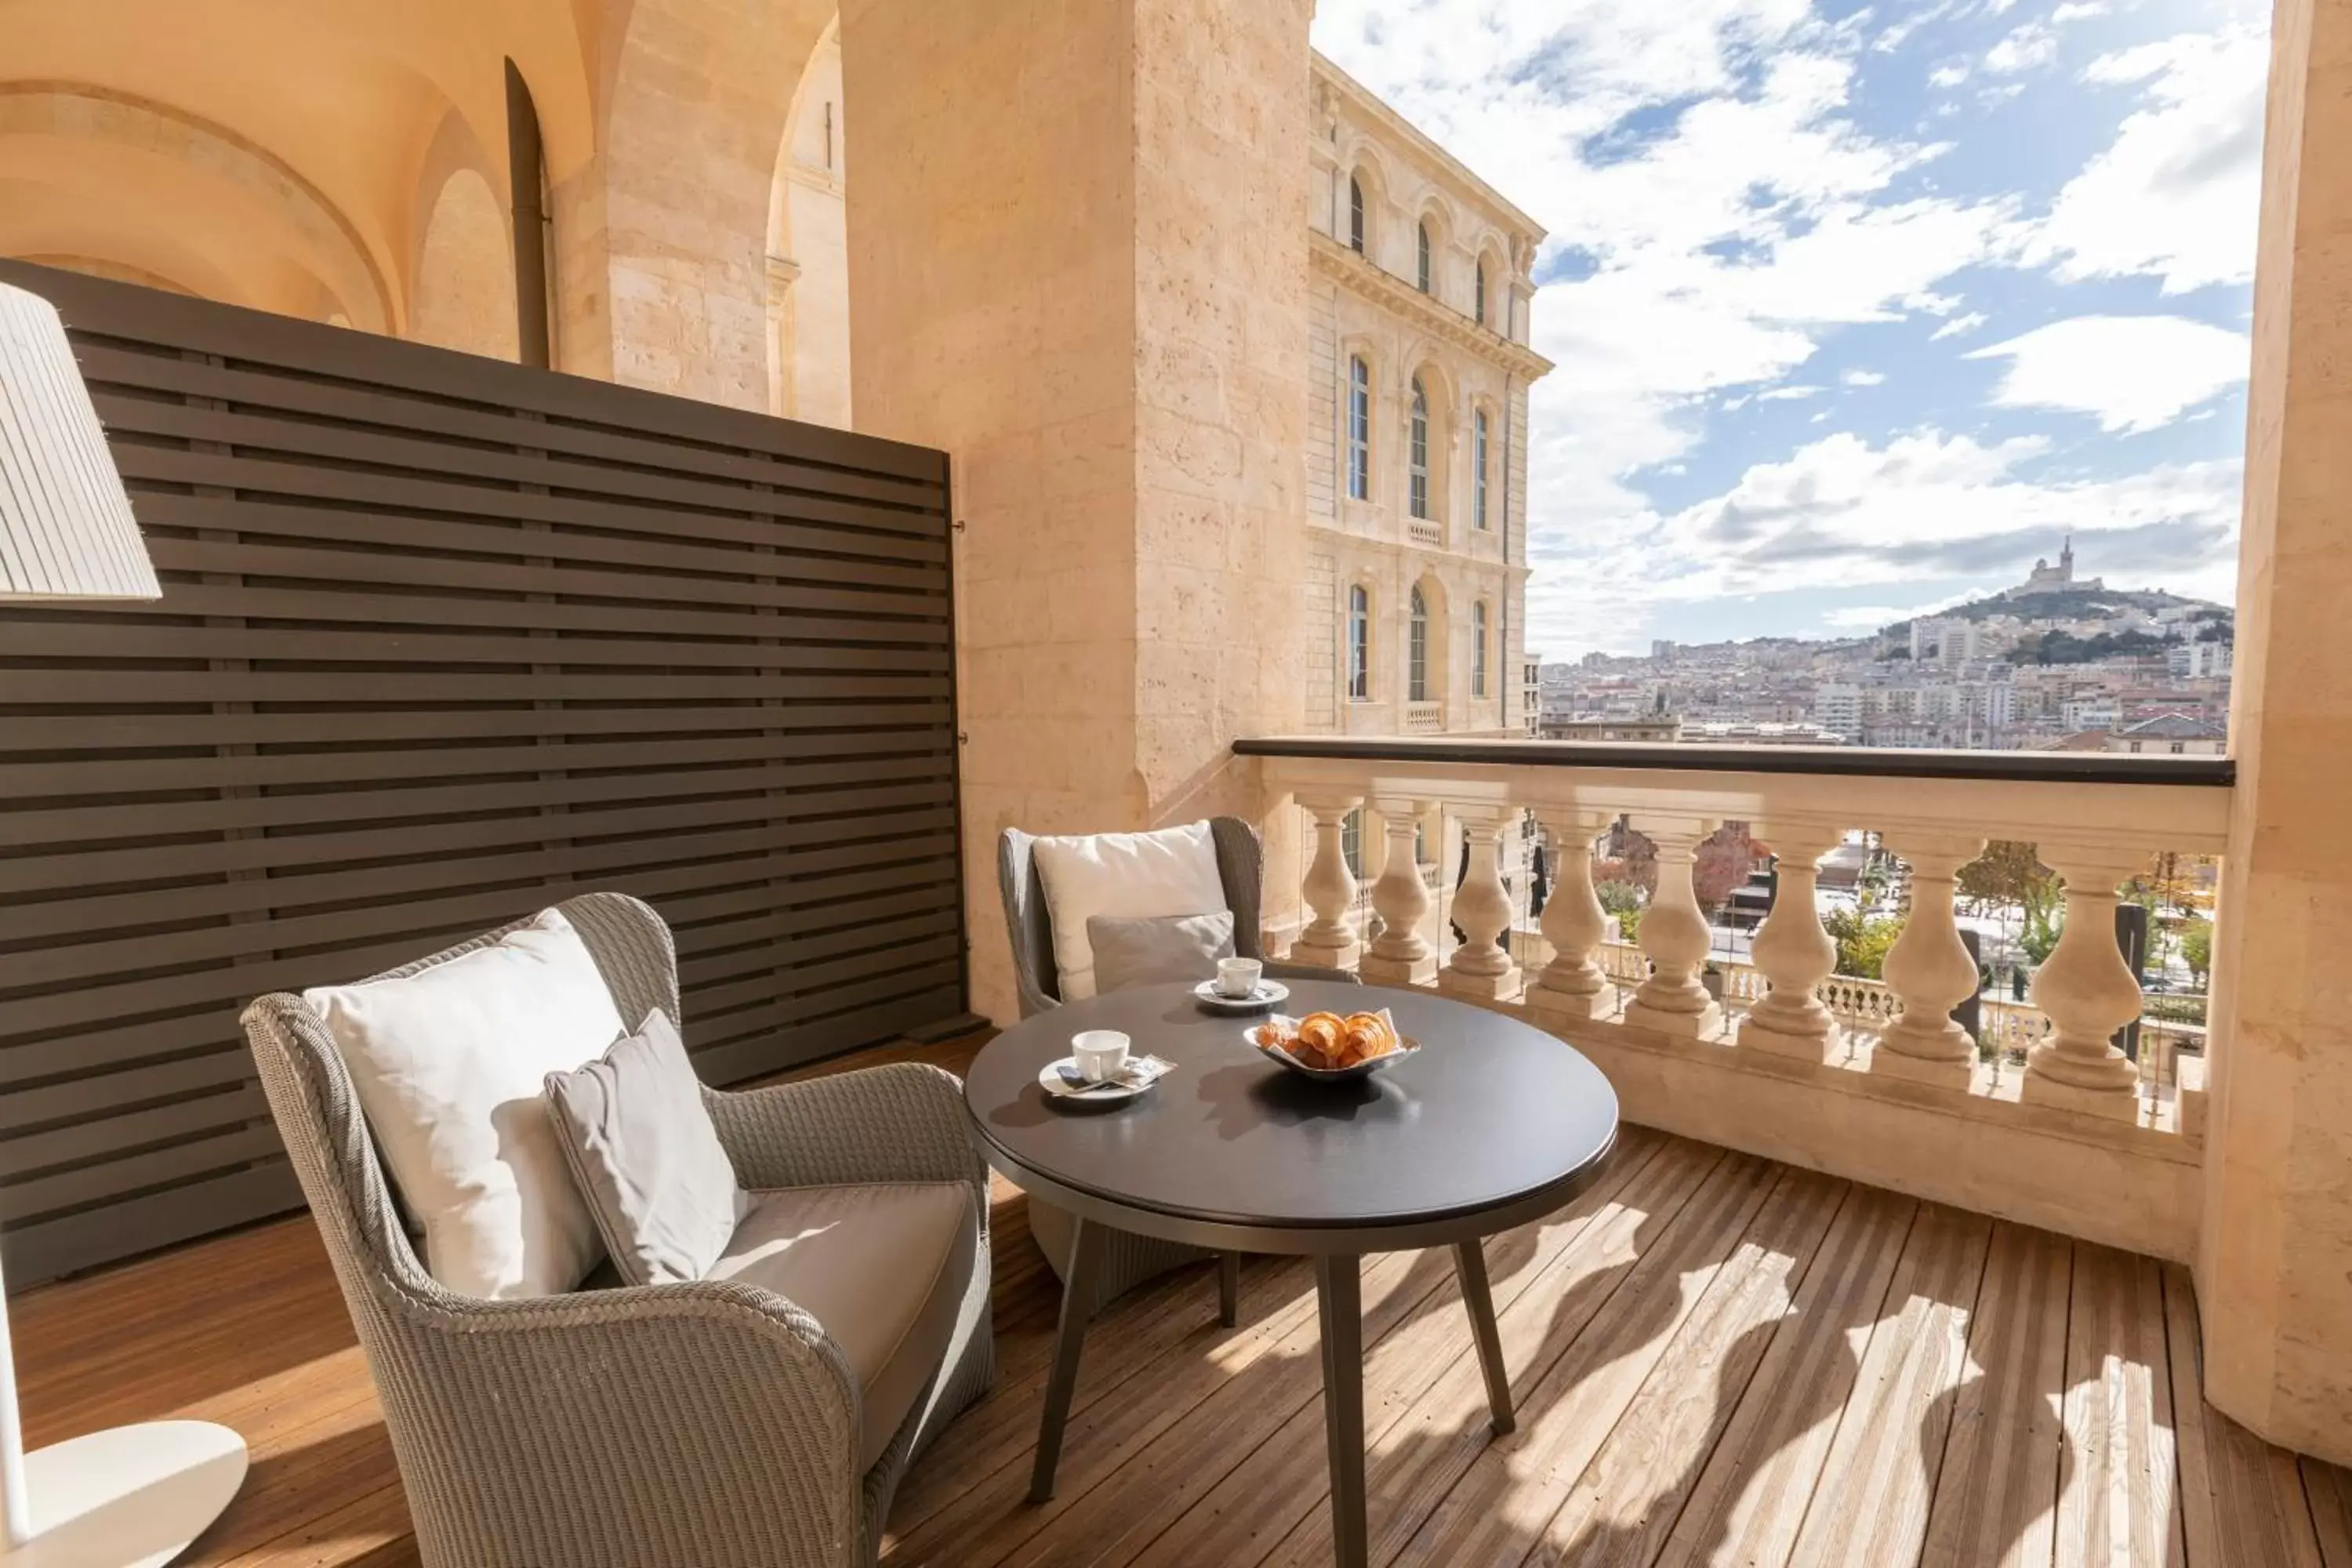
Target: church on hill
[2047, 579]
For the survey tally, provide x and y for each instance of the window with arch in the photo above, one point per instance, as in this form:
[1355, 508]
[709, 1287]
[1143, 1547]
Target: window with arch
[1478, 291]
[1420, 255]
[1479, 648]
[1351, 842]
[1479, 457]
[1356, 214]
[1417, 453]
[1359, 643]
[1359, 429]
[1416, 675]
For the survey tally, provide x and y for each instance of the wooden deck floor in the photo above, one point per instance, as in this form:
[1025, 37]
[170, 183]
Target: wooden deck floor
[1716, 1360]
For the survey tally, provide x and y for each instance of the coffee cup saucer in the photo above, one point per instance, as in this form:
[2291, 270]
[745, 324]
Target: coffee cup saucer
[1269, 994]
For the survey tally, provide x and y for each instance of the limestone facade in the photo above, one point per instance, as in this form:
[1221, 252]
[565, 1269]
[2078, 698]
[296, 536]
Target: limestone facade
[1417, 429]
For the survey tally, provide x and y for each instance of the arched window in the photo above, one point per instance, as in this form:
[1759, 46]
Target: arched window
[1417, 652]
[1478, 457]
[1359, 429]
[1351, 842]
[1479, 648]
[1356, 214]
[1417, 457]
[1420, 254]
[1478, 304]
[1359, 643]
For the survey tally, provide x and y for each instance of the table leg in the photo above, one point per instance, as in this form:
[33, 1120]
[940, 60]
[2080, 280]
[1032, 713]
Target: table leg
[1077, 1307]
[1340, 1297]
[1229, 1289]
[1470, 1265]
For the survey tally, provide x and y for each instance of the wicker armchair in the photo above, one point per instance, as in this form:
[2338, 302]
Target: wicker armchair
[712, 1423]
[1127, 1260]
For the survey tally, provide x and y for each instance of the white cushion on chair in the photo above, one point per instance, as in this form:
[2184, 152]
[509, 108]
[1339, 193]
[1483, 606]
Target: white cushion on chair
[449, 1065]
[1171, 873]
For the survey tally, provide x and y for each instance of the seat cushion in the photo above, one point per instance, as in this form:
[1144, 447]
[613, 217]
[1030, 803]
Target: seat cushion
[1171, 873]
[450, 1064]
[883, 1267]
[640, 1144]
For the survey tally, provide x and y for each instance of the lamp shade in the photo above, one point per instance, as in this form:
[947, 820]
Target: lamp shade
[66, 528]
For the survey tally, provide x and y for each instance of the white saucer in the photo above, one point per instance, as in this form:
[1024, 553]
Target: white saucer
[1269, 994]
[1049, 1079]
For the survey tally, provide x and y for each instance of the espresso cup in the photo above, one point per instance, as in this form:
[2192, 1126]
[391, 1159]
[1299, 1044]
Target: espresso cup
[1100, 1054]
[1238, 976]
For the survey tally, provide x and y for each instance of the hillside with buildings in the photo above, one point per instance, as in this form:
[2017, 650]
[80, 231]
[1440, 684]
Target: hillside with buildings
[2055, 662]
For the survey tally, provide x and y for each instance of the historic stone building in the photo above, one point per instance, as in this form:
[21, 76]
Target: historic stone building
[1416, 431]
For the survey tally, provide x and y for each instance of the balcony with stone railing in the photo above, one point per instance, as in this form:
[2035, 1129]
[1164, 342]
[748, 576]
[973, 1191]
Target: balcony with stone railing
[2036, 1116]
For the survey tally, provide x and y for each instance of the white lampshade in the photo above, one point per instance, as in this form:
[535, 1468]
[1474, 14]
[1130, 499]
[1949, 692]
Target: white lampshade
[66, 528]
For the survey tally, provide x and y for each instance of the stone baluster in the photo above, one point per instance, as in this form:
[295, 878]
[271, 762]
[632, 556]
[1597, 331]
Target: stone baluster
[1400, 955]
[1329, 939]
[1929, 969]
[1572, 985]
[2087, 990]
[1481, 966]
[1675, 936]
[1793, 950]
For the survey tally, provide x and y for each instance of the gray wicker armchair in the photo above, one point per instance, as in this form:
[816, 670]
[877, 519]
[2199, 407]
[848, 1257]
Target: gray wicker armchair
[713, 1422]
[1127, 1260]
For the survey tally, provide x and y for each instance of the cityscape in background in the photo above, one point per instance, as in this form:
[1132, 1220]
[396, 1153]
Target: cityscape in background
[2058, 662]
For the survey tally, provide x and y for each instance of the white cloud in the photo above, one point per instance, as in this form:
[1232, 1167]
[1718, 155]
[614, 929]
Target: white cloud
[1863, 378]
[2131, 372]
[1870, 618]
[1959, 326]
[1787, 394]
[2176, 194]
[2078, 11]
[1948, 76]
[2033, 45]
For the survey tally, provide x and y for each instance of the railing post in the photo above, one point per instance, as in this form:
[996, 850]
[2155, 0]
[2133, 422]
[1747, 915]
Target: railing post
[1481, 908]
[1675, 936]
[1400, 955]
[2087, 990]
[1329, 939]
[1929, 968]
[1793, 950]
[1572, 985]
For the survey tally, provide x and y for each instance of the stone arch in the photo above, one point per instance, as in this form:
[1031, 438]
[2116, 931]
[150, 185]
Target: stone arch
[1444, 395]
[463, 293]
[1364, 164]
[144, 185]
[1435, 215]
[1493, 264]
[808, 248]
[1428, 592]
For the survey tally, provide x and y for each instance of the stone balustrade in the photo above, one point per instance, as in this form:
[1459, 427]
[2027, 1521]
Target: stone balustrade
[2097, 821]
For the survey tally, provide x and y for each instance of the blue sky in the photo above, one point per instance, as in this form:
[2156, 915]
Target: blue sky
[1857, 309]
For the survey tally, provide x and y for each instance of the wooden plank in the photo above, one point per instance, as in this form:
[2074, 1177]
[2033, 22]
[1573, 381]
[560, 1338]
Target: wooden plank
[2242, 1502]
[2118, 1506]
[1265, 1497]
[2329, 1489]
[1871, 1503]
[1497, 1511]
[1749, 1501]
[1997, 1491]
[101, 732]
[1413, 1462]
[1624, 1506]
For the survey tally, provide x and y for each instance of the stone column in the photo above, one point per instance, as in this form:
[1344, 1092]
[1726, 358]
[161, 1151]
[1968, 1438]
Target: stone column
[1077, 263]
[2087, 991]
[1675, 936]
[1572, 985]
[1329, 939]
[1793, 950]
[1929, 968]
[1482, 907]
[1400, 955]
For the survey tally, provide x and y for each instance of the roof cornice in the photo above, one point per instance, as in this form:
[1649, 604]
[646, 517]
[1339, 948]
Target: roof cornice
[1460, 173]
[1361, 275]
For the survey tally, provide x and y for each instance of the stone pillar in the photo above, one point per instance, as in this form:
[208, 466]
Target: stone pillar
[1928, 968]
[2274, 1258]
[1078, 262]
[1793, 950]
[1482, 907]
[1675, 936]
[2087, 991]
[1400, 955]
[1572, 985]
[1329, 939]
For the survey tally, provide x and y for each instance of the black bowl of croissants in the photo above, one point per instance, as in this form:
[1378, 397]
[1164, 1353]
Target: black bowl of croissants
[1332, 1046]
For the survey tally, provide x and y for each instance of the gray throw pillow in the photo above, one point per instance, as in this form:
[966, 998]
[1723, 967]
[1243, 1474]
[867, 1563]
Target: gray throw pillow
[641, 1146]
[1150, 949]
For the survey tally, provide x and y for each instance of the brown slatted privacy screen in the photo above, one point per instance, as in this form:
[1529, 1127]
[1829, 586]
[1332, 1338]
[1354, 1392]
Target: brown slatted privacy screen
[442, 640]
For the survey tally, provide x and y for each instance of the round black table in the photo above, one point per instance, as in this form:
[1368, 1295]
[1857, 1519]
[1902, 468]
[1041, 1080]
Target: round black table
[1493, 1124]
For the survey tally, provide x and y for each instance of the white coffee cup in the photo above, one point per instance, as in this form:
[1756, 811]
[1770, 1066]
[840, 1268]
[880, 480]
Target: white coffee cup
[1238, 976]
[1100, 1054]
